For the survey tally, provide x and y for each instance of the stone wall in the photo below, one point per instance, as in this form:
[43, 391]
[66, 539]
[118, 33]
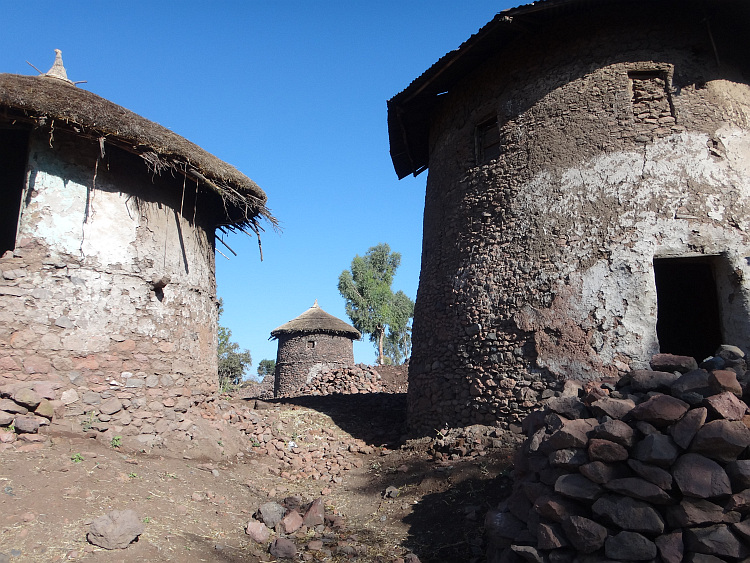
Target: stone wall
[301, 357]
[621, 141]
[110, 291]
[652, 469]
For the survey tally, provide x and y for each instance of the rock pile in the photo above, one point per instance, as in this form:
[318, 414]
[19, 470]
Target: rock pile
[24, 409]
[471, 441]
[307, 531]
[298, 451]
[358, 379]
[653, 468]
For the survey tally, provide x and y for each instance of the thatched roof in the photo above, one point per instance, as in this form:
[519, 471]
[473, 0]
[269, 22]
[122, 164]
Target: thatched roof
[45, 100]
[316, 320]
[410, 112]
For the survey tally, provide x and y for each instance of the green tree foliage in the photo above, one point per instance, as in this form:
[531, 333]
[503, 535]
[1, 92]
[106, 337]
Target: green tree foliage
[232, 361]
[266, 367]
[372, 305]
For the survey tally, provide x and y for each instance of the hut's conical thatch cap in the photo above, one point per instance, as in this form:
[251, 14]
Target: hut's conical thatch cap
[316, 320]
[51, 101]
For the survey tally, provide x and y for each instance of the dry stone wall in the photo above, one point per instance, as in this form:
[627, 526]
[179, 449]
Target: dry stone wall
[654, 468]
[109, 295]
[621, 142]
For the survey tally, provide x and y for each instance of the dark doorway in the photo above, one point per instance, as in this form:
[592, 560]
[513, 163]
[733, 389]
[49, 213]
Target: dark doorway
[13, 155]
[688, 321]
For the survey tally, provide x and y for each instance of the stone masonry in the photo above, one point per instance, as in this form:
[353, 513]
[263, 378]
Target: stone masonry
[108, 291]
[569, 149]
[653, 468]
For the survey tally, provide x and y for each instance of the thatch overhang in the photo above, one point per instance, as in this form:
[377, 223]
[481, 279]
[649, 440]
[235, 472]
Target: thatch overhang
[410, 111]
[43, 101]
[315, 321]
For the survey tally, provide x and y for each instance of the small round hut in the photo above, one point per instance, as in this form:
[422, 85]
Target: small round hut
[107, 238]
[308, 344]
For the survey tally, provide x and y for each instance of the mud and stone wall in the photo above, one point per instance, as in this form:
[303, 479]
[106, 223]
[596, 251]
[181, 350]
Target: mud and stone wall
[621, 141]
[110, 291]
[301, 357]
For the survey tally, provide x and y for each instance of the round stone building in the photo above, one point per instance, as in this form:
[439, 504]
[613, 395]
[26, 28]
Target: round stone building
[308, 344]
[107, 273]
[587, 200]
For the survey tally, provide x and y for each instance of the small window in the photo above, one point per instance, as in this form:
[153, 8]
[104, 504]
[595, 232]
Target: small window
[487, 141]
[651, 99]
[13, 155]
[310, 344]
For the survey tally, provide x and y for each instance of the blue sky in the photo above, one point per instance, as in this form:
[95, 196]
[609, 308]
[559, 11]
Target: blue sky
[293, 94]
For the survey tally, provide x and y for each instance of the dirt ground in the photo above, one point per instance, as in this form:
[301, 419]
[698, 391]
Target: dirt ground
[195, 508]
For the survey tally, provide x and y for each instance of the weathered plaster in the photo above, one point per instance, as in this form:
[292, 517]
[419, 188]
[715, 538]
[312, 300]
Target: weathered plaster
[78, 302]
[621, 142]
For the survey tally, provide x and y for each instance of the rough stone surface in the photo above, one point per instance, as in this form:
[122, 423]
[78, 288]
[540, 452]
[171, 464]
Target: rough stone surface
[116, 530]
[538, 260]
[670, 546]
[271, 513]
[699, 477]
[314, 514]
[584, 534]
[290, 523]
[628, 514]
[727, 405]
[629, 546]
[283, 548]
[716, 540]
[257, 531]
[722, 440]
[660, 410]
[685, 430]
[662, 500]
[27, 398]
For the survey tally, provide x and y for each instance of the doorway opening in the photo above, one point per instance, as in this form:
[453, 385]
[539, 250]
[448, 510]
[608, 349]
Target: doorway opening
[14, 146]
[688, 318]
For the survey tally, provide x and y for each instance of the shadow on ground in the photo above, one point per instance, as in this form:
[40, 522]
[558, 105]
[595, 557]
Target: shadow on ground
[378, 419]
[442, 503]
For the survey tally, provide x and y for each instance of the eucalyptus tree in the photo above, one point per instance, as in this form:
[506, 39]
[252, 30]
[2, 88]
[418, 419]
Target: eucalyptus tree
[373, 307]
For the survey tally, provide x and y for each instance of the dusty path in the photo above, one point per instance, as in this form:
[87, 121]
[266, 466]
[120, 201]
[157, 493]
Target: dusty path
[196, 509]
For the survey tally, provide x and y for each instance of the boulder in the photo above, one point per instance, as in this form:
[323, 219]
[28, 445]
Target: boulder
[283, 548]
[116, 530]
[629, 546]
[257, 531]
[717, 540]
[699, 477]
[584, 534]
[27, 398]
[672, 362]
[660, 410]
[722, 440]
[628, 514]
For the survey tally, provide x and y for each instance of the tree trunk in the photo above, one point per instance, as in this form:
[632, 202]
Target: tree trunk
[381, 334]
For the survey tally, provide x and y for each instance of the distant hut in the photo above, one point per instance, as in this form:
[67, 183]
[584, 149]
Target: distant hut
[107, 237]
[308, 344]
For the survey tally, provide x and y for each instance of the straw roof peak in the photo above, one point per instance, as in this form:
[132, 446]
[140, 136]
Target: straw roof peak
[58, 69]
[316, 320]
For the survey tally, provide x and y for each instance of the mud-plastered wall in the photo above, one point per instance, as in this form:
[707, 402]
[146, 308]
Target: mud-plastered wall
[620, 143]
[110, 291]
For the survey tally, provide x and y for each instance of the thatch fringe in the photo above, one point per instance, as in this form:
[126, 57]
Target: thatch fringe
[37, 100]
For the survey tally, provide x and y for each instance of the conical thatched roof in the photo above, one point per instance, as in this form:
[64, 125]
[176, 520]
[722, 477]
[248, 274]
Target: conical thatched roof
[49, 101]
[316, 320]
